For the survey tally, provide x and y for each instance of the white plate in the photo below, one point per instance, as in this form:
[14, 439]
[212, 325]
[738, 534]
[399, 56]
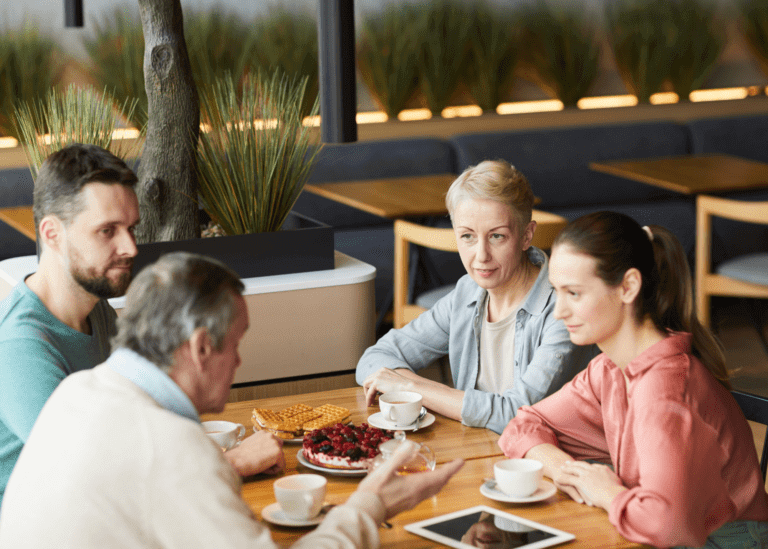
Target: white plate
[285, 440]
[274, 513]
[377, 420]
[330, 471]
[546, 489]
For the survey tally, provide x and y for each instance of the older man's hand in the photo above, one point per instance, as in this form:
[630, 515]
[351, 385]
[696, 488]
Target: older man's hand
[400, 493]
[261, 452]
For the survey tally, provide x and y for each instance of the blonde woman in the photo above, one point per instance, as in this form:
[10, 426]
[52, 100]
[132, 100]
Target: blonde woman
[655, 404]
[497, 327]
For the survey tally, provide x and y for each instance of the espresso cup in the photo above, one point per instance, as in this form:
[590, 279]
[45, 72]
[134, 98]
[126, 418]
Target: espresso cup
[518, 478]
[400, 407]
[224, 433]
[300, 496]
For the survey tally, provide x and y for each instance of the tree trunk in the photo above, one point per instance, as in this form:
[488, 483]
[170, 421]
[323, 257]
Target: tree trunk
[167, 188]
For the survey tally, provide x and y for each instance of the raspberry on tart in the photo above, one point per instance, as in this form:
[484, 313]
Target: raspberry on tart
[344, 446]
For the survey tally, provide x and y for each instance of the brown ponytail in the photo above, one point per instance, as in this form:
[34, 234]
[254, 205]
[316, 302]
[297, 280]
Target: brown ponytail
[618, 243]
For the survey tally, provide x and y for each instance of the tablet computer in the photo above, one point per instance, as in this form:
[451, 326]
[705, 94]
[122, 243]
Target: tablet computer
[486, 527]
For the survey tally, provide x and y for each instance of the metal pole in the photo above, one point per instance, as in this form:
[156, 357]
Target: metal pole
[73, 13]
[336, 49]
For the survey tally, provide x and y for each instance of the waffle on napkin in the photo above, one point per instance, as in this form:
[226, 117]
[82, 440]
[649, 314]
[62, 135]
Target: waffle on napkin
[293, 421]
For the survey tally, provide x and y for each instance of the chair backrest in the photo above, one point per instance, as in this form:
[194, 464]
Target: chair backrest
[755, 408]
[428, 237]
[548, 225]
[708, 283]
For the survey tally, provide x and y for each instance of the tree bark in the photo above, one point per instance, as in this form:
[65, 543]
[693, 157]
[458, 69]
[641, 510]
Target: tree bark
[167, 188]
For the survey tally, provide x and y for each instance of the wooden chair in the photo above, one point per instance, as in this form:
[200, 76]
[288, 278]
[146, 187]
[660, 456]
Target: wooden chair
[755, 408]
[745, 276]
[547, 227]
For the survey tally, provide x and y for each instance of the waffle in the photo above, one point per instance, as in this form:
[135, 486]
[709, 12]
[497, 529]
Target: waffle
[293, 421]
[330, 415]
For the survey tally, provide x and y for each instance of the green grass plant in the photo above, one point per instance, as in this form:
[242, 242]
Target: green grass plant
[698, 43]
[494, 42]
[443, 27]
[218, 43]
[257, 155]
[117, 59]
[642, 35]
[30, 66]
[286, 41]
[561, 51]
[386, 57]
[75, 115]
[754, 24]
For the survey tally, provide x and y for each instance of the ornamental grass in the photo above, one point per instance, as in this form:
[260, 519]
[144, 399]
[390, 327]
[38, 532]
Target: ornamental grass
[387, 50]
[753, 21]
[30, 66]
[256, 156]
[561, 52]
[116, 52]
[75, 115]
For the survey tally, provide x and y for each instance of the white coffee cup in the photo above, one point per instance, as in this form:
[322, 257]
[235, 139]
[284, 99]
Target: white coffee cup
[225, 433]
[400, 407]
[518, 478]
[300, 496]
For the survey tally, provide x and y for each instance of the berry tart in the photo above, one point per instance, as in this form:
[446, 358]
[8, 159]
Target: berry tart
[344, 446]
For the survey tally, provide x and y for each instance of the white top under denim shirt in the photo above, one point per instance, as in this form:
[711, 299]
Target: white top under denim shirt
[545, 359]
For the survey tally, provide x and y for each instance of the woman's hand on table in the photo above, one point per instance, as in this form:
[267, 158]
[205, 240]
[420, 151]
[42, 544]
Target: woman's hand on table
[596, 484]
[400, 493]
[262, 452]
[384, 381]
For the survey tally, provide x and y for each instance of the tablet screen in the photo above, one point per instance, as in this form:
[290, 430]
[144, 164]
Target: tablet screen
[486, 528]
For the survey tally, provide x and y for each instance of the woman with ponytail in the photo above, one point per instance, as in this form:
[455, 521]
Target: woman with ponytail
[649, 431]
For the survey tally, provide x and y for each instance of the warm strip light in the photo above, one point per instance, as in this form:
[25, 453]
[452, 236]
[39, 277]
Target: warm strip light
[311, 121]
[372, 117]
[664, 98]
[8, 142]
[461, 112]
[721, 94]
[607, 102]
[126, 133]
[414, 114]
[519, 107]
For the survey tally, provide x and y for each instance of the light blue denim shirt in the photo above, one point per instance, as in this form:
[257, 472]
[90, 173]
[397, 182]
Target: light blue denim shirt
[545, 358]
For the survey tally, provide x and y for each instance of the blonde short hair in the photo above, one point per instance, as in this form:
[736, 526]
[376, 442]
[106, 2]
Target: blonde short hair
[493, 180]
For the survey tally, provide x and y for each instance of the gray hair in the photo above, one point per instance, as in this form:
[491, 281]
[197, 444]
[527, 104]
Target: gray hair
[493, 180]
[64, 174]
[172, 298]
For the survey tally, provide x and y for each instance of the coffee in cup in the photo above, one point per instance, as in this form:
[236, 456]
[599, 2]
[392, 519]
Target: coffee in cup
[225, 433]
[400, 407]
[300, 496]
[518, 477]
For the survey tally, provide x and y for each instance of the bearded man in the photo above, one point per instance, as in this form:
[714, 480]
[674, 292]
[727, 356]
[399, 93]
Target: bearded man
[57, 321]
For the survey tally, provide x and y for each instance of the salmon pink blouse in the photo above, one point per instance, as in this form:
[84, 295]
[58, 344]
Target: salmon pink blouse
[676, 437]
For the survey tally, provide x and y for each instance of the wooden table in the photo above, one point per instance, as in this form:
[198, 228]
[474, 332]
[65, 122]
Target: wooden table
[691, 174]
[449, 439]
[20, 218]
[418, 196]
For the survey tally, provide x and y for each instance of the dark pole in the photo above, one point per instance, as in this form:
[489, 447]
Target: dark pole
[73, 13]
[336, 49]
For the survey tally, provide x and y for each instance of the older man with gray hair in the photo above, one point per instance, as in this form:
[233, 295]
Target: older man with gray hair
[117, 457]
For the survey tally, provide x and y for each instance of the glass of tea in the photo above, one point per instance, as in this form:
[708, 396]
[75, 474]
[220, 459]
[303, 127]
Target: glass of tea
[424, 460]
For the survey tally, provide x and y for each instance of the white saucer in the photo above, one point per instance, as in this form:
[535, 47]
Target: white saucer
[274, 513]
[377, 420]
[546, 489]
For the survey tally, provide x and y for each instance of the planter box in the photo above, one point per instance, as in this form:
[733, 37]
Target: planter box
[302, 245]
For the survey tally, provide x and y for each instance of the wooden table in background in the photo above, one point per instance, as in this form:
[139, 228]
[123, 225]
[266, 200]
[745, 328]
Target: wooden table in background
[20, 218]
[449, 439]
[691, 174]
[392, 198]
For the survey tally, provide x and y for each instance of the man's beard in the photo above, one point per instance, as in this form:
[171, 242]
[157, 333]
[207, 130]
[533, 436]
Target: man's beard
[100, 285]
